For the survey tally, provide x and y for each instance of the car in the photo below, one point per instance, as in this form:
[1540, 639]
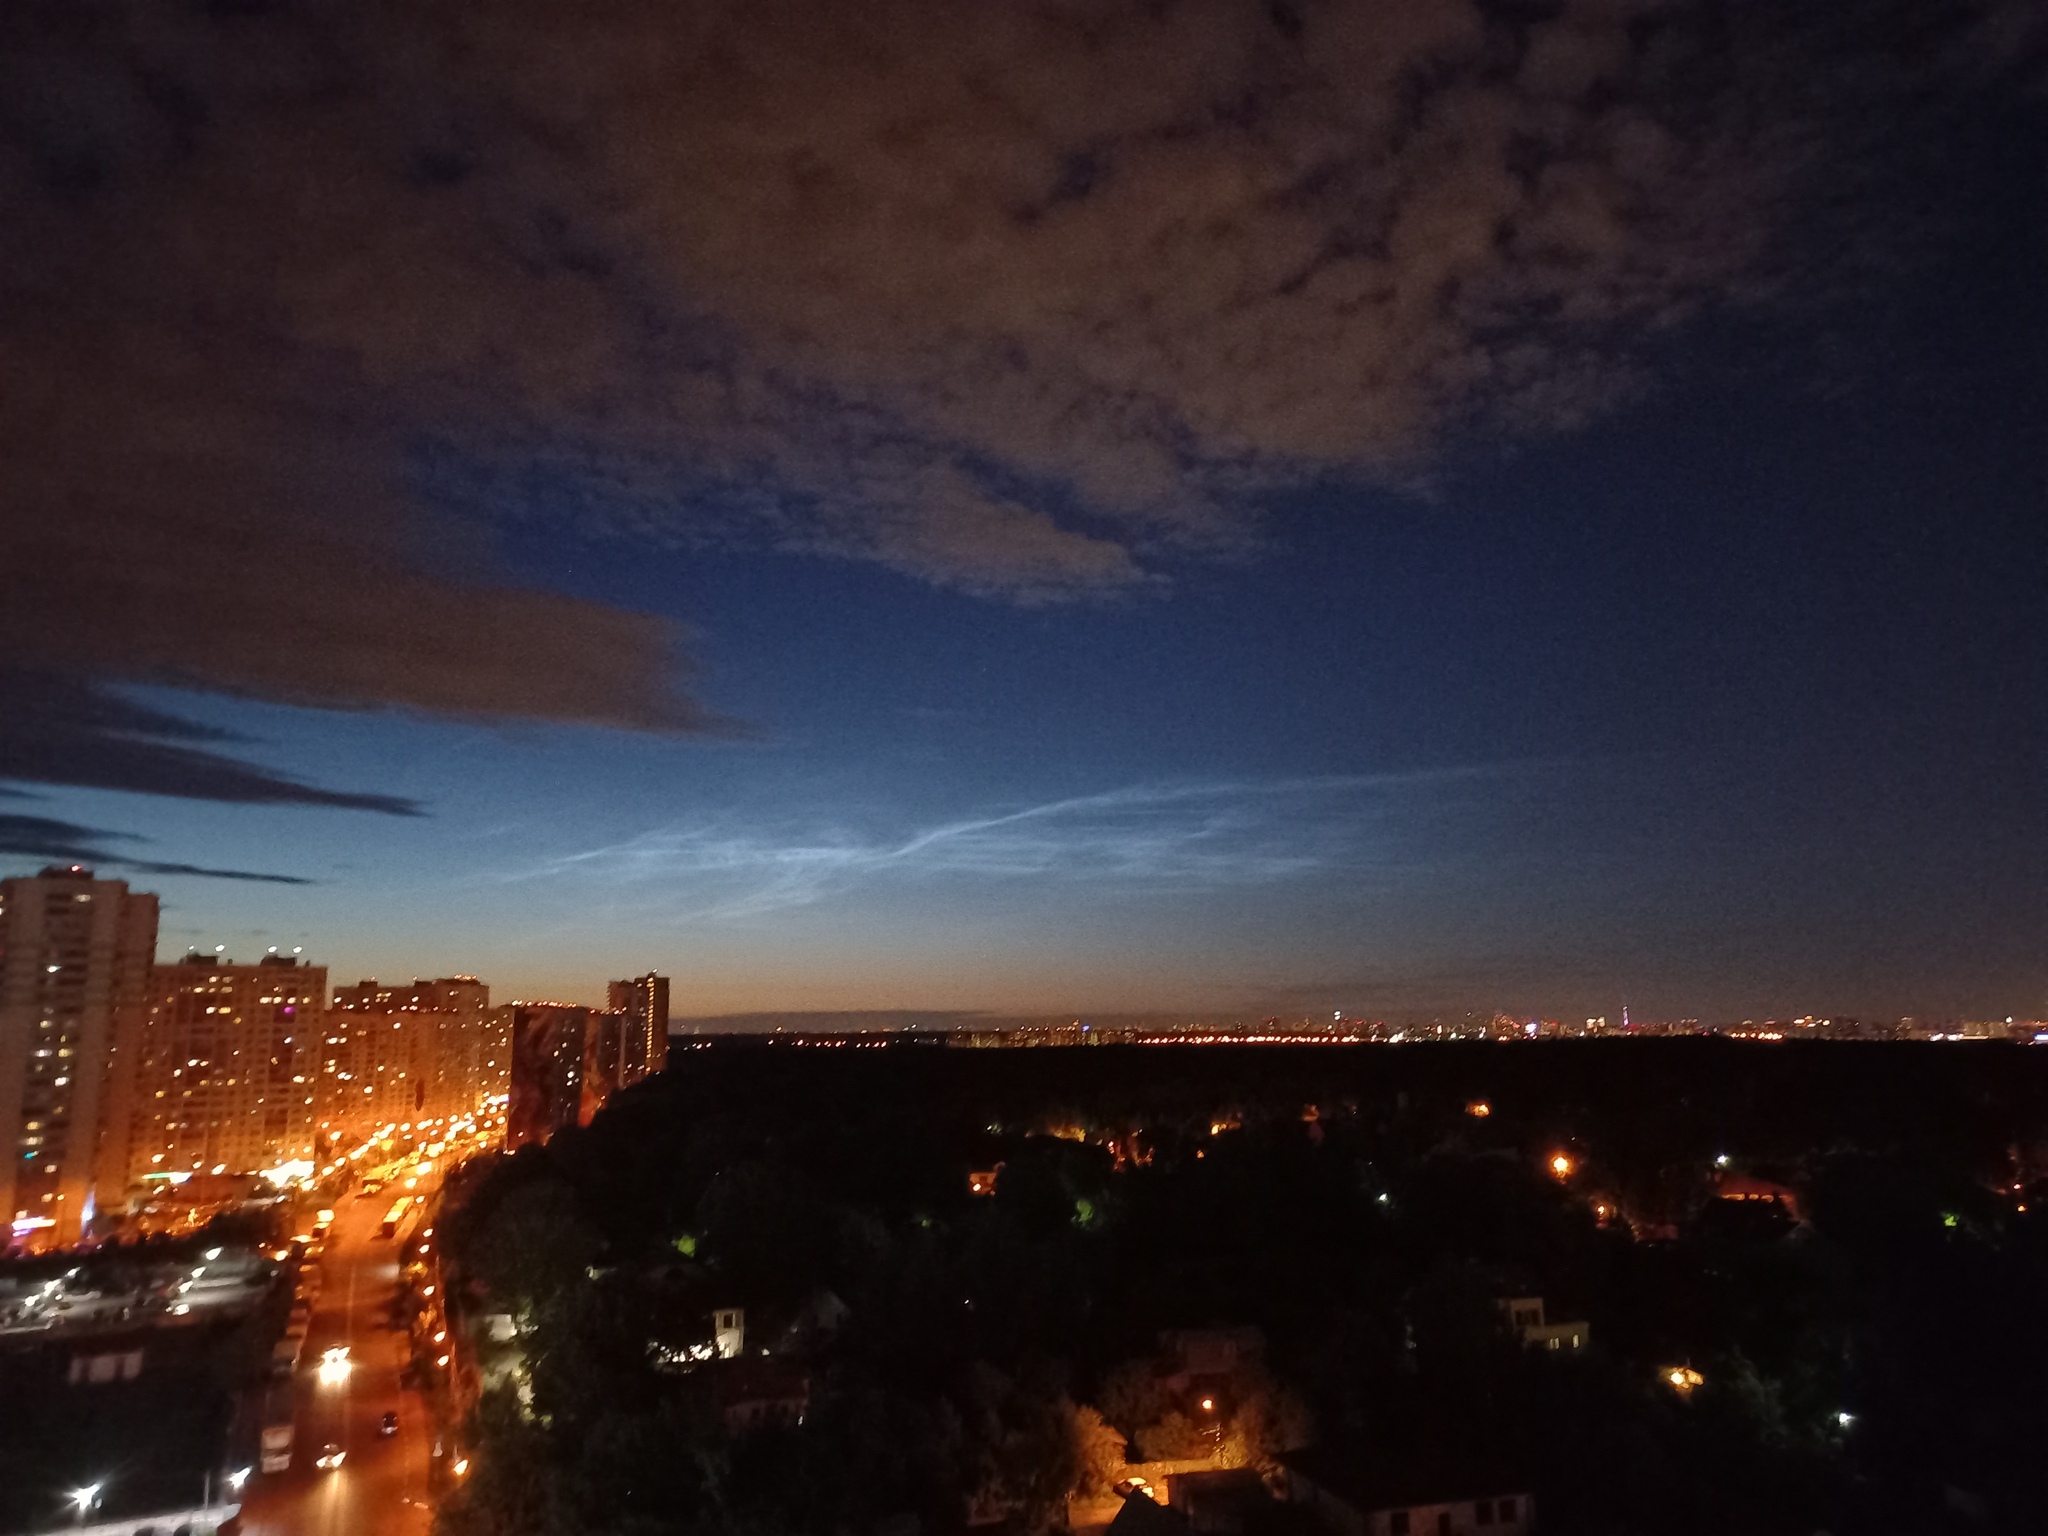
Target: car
[1131, 1485]
[388, 1425]
[331, 1456]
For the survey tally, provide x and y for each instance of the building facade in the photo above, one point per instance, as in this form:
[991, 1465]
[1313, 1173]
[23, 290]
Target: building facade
[548, 1045]
[607, 1037]
[75, 959]
[230, 1066]
[421, 1050]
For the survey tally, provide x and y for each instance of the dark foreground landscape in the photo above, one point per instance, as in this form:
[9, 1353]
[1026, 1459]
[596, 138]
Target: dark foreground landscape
[1633, 1286]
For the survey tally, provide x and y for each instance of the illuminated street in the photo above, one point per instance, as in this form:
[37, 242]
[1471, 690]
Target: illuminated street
[381, 1487]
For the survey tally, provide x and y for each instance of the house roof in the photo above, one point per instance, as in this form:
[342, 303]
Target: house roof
[1370, 1483]
[761, 1378]
[1140, 1516]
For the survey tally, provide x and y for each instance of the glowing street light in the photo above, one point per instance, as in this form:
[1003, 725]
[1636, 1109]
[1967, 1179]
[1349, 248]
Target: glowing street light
[1682, 1379]
[83, 1499]
[1561, 1165]
[238, 1477]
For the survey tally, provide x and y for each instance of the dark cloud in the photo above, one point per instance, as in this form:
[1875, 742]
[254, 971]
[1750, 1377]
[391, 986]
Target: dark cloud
[63, 842]
[1019, 299]
[62, 730]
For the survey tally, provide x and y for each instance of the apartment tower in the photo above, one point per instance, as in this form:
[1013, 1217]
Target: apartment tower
[644, 999]
[230, 1066]
[75, 957]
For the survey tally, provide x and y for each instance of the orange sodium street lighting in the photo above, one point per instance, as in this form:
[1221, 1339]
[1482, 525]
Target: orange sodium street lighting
[1561, 1165]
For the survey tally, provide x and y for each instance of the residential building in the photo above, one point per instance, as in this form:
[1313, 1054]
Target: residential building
[75, 957]
[1525, 1320]
[608, 1036]
[1731, 1184]
[418, 1050]
[230, 1066]
[1355, 1494]
[645, 1000]
[547, 1070]
[1222, 1502]
[761, 1390]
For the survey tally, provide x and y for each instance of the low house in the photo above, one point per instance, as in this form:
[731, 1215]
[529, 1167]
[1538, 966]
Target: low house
[762, 1390]
[1525, 1319]
[1746, 1188]
[1352, 1497]
[1140, 1516]
[1207, 1365]
[1194, 1353]
[1220, 1503]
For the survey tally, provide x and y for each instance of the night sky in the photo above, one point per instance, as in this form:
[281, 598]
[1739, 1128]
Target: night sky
[1227, 508]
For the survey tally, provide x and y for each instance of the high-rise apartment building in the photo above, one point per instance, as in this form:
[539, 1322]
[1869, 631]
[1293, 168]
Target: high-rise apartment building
[645, 1000]
[75, 957]
[230, 1066]
[548, 1046]
[423, 1049]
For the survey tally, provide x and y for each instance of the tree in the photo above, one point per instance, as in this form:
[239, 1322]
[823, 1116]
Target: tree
[533, 1247]
[1098, 1452]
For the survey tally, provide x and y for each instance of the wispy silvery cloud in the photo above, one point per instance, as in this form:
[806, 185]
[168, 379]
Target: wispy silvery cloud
[1191, 838]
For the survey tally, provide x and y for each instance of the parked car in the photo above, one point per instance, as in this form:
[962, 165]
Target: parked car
[331, 1456]
[388, 1425]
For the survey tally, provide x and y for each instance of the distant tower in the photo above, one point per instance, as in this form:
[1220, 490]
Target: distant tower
[1624, 1018]
[645, 1000]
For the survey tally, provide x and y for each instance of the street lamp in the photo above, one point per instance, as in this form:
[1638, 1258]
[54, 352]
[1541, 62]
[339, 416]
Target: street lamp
[237, 1478]
[83, 1499]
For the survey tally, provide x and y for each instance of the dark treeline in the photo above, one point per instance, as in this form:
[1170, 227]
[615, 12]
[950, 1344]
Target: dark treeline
[1872, 1353]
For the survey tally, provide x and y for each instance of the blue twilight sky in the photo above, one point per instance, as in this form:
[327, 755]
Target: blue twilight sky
[1719, 694]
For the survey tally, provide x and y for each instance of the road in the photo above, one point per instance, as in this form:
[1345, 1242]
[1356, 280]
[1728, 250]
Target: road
[381, 1489]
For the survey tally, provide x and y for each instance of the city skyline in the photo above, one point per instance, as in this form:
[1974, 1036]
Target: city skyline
[1067, 768]
[136, 1095]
